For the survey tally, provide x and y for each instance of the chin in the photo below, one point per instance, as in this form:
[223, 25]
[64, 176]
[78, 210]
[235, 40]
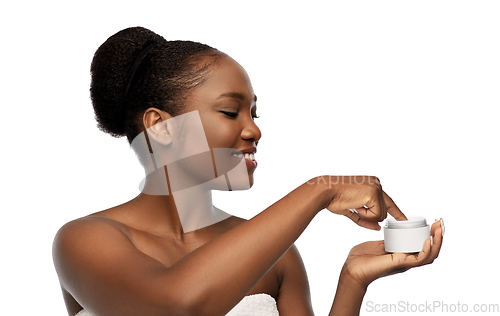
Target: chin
[241, 182]
[250, 178]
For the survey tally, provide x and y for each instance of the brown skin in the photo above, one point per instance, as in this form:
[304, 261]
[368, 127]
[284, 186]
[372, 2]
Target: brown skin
[135, 259]
[369, 261]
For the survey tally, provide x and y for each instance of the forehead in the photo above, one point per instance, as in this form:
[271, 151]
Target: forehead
[226, 78]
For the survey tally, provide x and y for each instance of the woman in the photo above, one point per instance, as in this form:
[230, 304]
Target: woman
[188, 110]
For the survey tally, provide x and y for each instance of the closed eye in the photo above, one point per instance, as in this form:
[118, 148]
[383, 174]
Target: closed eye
[230, 114]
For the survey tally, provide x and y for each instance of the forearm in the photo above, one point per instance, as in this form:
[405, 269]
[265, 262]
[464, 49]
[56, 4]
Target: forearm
[348, 298]
[224, 270]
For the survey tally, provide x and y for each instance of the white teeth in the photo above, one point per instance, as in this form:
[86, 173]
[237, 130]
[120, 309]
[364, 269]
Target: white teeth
[247, 156]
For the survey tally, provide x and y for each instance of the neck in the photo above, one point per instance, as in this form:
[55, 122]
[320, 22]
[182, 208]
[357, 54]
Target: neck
[195, 208]
[183, 210]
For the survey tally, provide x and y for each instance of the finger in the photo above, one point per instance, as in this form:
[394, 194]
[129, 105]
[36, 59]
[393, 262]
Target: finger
[437, 223]
[413, 260]
[380, 196]
[366, 213]
[437, 241]
[356, 218]
[374, 207]
[425, 254]
[435, 226]
[437, 233]
[393, 209]
[383, 204]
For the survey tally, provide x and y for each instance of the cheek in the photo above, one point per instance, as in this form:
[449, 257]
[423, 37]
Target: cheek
[221, 135]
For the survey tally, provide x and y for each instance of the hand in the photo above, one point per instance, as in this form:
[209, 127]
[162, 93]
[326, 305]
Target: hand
[369, 261]
[363, 194]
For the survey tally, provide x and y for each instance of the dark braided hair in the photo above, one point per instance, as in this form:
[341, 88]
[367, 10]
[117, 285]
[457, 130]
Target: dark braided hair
[162, 79]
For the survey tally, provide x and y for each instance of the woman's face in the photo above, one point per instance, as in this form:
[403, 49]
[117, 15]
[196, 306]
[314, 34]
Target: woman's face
[227, 107]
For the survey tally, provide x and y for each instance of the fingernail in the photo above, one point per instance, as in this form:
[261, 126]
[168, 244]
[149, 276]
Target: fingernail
[442, 227]
[432, 241]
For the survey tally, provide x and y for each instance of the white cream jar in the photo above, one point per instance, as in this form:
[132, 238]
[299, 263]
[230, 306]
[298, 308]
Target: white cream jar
[406, 236]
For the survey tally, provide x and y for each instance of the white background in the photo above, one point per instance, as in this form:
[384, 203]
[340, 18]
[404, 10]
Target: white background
[404, 90]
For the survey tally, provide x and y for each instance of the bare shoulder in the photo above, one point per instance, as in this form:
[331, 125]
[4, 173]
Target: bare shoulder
[87, 228]
[75, 239]
[79, 250]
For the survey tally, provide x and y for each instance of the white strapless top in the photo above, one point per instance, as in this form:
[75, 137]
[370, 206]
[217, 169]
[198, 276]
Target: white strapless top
[251, 305]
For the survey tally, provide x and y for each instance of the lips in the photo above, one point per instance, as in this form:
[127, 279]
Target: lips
[249, 155]
[251, 150]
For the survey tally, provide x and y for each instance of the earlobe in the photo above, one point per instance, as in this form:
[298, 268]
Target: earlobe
[160, 133]
[155, 122]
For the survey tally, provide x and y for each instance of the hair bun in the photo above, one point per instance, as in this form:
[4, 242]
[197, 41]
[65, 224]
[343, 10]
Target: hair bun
[110, 70]
[160, 76]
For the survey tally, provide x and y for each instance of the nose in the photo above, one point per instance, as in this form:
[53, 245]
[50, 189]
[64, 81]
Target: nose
[251, 132]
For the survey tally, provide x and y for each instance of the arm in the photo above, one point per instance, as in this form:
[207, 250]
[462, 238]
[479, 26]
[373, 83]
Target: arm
[104, 271]
[369, 261]
[348, 297]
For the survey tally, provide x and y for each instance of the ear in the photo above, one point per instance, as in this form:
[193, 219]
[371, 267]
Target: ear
[155, 122]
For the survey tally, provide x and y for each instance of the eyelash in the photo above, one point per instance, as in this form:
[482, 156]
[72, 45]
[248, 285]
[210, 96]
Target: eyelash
[230, 114]
[234, 115]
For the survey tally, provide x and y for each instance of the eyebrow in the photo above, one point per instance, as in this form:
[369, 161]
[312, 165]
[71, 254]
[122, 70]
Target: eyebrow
[235, 95]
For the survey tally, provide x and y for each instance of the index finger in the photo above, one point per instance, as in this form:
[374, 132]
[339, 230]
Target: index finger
[393, 209]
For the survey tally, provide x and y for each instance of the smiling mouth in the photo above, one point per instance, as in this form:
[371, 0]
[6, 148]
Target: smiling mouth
[246, 156]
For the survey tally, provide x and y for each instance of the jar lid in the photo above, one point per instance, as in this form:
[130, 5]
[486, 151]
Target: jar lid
[412, 222]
